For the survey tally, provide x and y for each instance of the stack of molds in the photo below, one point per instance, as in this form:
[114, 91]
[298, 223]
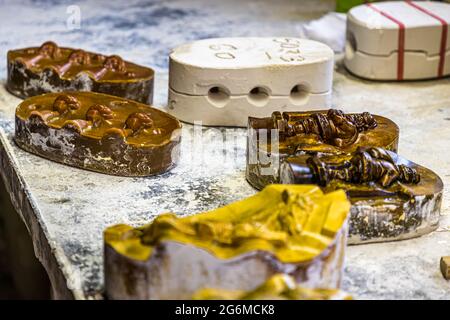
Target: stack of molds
[99, 132]
[273, 139]
[278, 287]
[50, 68]
[292, 230]
[392, 198]
[221, 82]
[399, 40]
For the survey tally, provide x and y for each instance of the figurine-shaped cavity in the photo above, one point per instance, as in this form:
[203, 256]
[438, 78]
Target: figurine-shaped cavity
[49, 49]
[335, 128]
[115, 63]
[79, 57]
[138, 121]
[98, 113]
[65, 103]
[365, 166]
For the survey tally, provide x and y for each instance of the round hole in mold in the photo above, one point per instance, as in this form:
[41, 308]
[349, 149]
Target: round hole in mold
[172, 104]
[259, 96]
[299, 94]
[218, 96]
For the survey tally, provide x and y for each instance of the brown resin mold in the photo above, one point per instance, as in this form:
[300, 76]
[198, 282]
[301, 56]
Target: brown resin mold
[392, 198]
[49, 68]
[273, 139]
[99, 132]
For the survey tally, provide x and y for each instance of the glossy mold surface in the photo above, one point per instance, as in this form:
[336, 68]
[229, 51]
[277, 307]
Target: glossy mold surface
[392, 198]
[273, 139]
[295, 230]
[98, 132]
[50, 68]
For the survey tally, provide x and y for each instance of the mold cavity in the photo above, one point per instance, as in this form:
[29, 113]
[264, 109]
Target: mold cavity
[218, 96]
[259, 96]
[299, 94]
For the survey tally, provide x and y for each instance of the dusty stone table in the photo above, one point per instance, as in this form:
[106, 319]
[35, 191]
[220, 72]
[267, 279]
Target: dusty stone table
[66, 209]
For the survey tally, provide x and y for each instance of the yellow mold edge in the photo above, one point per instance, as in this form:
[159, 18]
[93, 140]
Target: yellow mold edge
[277, 287]
[296, 223]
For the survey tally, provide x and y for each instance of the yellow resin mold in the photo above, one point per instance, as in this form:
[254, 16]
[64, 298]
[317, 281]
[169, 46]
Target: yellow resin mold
[295, 223]
[278, 287]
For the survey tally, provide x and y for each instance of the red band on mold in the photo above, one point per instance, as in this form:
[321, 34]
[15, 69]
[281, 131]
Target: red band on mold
[401, 40]
[443, 45]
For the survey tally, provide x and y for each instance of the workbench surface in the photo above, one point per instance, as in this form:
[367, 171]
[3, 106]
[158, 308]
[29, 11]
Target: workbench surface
[66, 209]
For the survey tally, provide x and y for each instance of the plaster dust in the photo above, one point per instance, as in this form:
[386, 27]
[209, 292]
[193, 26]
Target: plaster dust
[69, 207]
[77, 205]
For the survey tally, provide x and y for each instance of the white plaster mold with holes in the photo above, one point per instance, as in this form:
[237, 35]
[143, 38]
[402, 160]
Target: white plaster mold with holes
[399, 40]
[223, 81]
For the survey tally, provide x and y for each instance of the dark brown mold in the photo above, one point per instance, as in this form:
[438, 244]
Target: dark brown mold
[392, 198]
[322, 132]
[49, 68]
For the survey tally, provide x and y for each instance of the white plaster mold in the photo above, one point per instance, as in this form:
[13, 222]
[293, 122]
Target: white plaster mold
[223, 81]
[374, 42]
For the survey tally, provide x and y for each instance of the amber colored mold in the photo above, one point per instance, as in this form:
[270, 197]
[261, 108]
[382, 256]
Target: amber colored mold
[99, 132]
